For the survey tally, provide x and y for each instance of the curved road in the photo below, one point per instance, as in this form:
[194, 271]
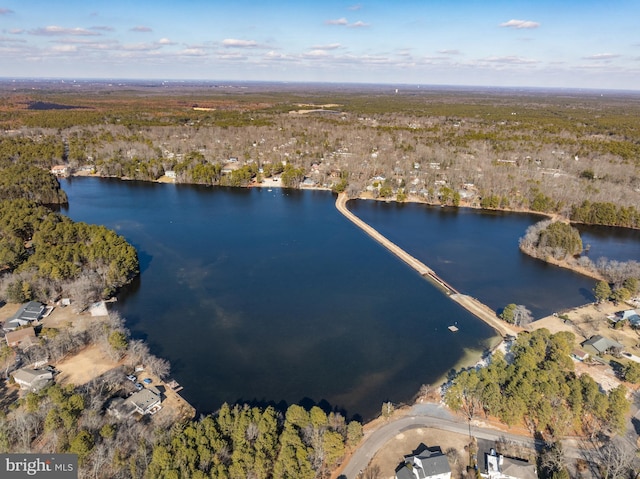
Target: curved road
[432, 416]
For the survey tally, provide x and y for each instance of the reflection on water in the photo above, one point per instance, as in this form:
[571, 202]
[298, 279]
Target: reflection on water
[276, 297]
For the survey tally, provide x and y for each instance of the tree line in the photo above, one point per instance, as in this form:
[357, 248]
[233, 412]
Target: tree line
[241, 442]
[540, 388]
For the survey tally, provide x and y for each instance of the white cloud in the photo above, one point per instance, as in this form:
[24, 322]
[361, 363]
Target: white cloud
[140, 47]
[449, 52]
[331, 46]
[338, 21]
[232, 56]
[166, 41]
[357, 6]
[511, 60]
[141, 29]
[602, 56]
[102, 28]
[5, 11]
[273, 55]
[53, 30]
[192, 52]
[316, 54]
[16, 31]
[65, 48]
[358, 24]
[518, 24]
[235, 43]
[4, 39]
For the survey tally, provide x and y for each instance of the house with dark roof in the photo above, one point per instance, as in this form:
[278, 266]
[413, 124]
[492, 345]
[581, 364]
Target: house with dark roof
[28, 313]
[425, 462]
[32, 379]
[596, 345]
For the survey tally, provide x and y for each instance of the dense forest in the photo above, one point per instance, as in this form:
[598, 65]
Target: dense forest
[45, 255]
[561, 153]
[18, 180]
[243, 442]
[539, 387]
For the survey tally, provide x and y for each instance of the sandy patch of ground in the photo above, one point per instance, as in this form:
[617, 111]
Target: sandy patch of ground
[166, 179]
[85, 365]
[600, 373]
[62, 317]
[268, 183]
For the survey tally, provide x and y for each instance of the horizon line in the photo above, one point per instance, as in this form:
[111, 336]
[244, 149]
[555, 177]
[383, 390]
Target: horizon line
[10, 79]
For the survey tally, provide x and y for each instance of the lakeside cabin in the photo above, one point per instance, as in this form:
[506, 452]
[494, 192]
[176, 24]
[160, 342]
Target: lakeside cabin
[27, 314]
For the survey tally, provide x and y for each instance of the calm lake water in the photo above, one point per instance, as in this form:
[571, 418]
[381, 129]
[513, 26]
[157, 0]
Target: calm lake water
[274, 297]
[477, 252]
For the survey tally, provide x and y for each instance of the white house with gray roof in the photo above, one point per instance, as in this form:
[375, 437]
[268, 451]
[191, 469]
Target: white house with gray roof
[32, 379]
[425, 463]
[27, 314]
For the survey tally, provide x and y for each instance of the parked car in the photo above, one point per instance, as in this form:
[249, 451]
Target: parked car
[147, 381]
[131, 378]
[139, 386]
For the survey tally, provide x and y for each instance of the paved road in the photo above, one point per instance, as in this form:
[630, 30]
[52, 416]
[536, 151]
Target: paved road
[433, 416]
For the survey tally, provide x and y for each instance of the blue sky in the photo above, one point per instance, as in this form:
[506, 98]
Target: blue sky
[560, 43]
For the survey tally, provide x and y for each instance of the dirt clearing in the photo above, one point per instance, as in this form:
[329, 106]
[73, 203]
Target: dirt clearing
[85, 365]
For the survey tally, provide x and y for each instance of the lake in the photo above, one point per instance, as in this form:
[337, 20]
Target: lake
[274, 297]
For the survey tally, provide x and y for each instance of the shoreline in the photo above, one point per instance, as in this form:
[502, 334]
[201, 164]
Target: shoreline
[472, 305]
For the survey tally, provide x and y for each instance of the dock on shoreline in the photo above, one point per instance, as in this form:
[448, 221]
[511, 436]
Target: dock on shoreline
[472, 305]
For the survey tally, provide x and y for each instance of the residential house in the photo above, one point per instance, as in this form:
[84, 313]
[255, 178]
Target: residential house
[630, 315]
[145, 401]
[500, 467]
[60, 170]
[22, 338]
[425, 462]
[579, 355]
[597, 345]
[32, 379]
[309, 182]
[28, 313]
